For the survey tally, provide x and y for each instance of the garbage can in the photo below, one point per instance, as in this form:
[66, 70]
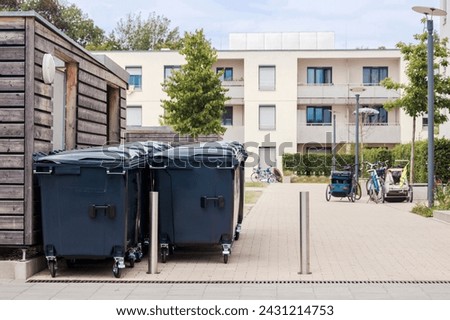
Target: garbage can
[92, 202]
[200, 195]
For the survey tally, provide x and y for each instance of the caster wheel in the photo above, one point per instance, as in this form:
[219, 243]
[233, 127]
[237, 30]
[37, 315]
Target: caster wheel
[52, 268]
[164, 254]
[116, 270]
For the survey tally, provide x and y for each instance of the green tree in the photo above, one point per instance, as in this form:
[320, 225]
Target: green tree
[153, 33]
[80, 27]
[68, 18]
[196, 96]
[9, 5]
[414, 98]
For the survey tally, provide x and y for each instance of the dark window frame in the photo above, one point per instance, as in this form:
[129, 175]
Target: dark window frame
[382, 118]
[319, 115]
[132, 77]
[369, 75]
[227, 121]
[327, 78]
[224, 76]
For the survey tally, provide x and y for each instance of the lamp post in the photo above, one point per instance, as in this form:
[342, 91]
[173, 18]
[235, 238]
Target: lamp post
[333, 163]
[357, 91]
[430, 75]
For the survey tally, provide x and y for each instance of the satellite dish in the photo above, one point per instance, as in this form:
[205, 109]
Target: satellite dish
[48, 68]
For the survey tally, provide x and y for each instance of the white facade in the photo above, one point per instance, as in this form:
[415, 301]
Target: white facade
[278, 97]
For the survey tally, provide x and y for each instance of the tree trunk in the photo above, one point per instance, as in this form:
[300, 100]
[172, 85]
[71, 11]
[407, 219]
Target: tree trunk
[411, 162]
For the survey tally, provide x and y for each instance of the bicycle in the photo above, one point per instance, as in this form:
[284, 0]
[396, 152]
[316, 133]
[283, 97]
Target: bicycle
[263, 175]
[375, 183]
[380, 167]
[357, 186]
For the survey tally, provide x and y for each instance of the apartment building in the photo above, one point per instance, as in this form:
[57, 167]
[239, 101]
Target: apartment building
[284, 100]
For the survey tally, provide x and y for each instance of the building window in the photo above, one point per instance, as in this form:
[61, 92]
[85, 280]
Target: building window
[319, 75]
[134, 116]
[227, 117]
[267, 78]
[169, 69]
[318, 116]
[267, 118]
[135, 78]
[380, 118]
[425, 120]
[227, 73]
[373, 75]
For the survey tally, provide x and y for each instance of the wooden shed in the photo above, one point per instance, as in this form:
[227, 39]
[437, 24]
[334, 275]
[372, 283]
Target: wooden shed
[81, 103]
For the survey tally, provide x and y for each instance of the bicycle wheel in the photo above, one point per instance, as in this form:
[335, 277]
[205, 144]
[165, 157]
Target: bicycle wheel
[254, 177]
[328, 193]
[368, 181]
[358, 191]
[371, 191]
[352, 194]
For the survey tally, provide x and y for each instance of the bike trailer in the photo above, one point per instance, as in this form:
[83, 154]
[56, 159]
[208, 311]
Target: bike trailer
[341, 183]
[396, 184]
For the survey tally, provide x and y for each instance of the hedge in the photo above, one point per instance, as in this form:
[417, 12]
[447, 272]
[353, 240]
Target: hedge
[320, 164]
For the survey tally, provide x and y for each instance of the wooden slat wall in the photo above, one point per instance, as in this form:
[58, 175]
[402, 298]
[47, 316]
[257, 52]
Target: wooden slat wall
[91, 121]
[26, 121]
[12, 131]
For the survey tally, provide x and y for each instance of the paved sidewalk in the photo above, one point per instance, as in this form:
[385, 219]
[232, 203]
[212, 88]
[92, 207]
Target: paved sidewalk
[359, 250]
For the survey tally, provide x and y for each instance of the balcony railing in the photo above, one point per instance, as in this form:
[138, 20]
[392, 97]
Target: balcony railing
[375, 134]
[234, 133]
[235, 89]
[340, 93]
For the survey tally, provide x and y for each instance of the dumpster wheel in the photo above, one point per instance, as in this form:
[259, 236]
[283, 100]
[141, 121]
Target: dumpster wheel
[52, 268]
[164, 254]
[116, 269]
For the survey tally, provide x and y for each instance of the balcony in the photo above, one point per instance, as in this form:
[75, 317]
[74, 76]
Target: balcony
[341, 94]
[234, 133]
[371, 134]
[235, 91]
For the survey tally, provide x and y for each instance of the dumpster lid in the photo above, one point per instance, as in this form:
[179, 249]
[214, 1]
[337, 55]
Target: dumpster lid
[219, 152]
[109, 154]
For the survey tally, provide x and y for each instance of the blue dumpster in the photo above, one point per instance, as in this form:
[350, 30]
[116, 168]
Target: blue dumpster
[92, 201]
[200, 195]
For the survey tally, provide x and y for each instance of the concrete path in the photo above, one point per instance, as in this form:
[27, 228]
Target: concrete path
[359, 250]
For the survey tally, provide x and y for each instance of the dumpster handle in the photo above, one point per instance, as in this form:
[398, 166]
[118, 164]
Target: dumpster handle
[110, 211]
[220, 200]
[225, 168]
[50, 171]
[122, 173]
[158, 168]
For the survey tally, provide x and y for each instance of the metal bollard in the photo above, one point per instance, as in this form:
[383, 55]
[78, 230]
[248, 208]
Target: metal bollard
[304, 234]
[153, 252]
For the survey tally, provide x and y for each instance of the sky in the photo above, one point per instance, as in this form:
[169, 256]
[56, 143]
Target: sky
[356, 23]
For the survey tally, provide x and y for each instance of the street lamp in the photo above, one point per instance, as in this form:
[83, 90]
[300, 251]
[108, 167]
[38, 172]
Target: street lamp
[357, 91]
[430, 55]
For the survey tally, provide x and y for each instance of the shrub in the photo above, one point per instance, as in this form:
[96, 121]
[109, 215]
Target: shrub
[423, 210]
